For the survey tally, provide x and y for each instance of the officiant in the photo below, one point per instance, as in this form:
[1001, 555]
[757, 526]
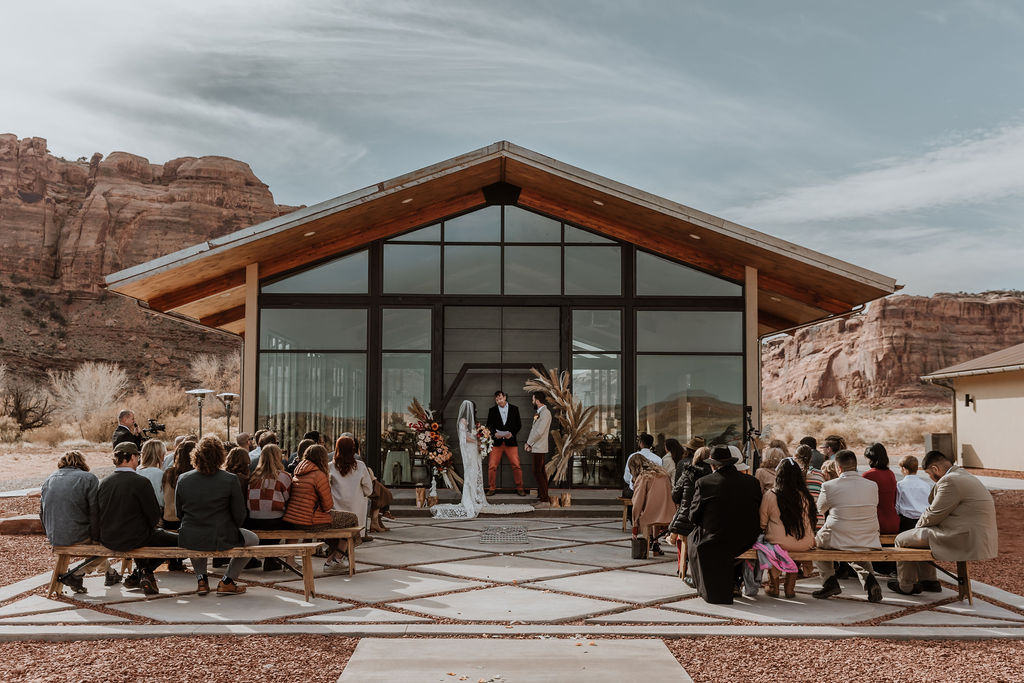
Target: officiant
[503, 421]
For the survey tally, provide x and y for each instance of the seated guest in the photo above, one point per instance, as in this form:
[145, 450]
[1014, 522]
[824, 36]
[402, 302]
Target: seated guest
[298, 454]
[765, 474]
[178, 440]
[254, 442]
[959, 525]
[351, 483]
[310, 505]
[788, 517]
[182, 464]
[912, 493]
[781, 445]
[210, 505]
[817, 457]
[652, 499]
[380, 499]
[724, 512]
[682, 495]
[646, 443]
[888, 520]
[830, 470]
[832, 445]
[129, 514]
[151, 467]
[851, 503]
[70, 513]
[813, 477]
[267, 497]
[675, 457]
[238, 465]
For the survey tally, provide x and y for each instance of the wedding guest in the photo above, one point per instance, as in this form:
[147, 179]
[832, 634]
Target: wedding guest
[675, 457]
[297, 456]
[765, 474]
[351, 483]
[788, 517]
[380, 499]
[813, 477]
[652, 499]
[817, 457]
[178, 440]
[646, 442]
[267, 496]
[833, 444]
[830, 470]
[151, 467]
[238, 465]
[781, 445]
[182, 463]
[878, 459]
[911, 493]
[311, 506]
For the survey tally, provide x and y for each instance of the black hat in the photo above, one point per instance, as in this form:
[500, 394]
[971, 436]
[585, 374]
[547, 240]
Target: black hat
[722, 455]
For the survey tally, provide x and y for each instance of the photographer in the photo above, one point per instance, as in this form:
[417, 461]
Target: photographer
[127, 429]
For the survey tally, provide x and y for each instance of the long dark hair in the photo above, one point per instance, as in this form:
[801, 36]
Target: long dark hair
[182, 463]
[877, 456]
[676, 450]
[795, 501]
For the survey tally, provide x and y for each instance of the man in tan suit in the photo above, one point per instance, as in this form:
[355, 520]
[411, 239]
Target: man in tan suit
[958, 525]
[852, 524]
[537, 444]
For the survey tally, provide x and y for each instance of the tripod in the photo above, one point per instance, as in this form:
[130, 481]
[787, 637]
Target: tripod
[751, 455]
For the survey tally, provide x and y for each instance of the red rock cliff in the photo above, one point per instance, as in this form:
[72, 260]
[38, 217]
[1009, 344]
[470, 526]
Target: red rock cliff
[876, 358]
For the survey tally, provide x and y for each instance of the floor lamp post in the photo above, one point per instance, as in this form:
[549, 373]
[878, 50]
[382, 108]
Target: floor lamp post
[200, 395]
[228, 397]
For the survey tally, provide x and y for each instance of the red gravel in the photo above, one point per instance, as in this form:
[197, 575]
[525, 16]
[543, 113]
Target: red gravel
[214, 659]
[1009, 474]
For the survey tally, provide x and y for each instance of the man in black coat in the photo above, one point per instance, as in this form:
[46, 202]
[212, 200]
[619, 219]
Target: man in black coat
[725, 512]
[127, 430]
[129, 514]
[504, 423]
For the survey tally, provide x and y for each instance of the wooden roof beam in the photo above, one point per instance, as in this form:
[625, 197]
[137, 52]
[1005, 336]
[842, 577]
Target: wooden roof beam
[224, 317]
[197, 291]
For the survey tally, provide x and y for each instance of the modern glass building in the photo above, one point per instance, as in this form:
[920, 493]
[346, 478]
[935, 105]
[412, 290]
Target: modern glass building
[454, 281]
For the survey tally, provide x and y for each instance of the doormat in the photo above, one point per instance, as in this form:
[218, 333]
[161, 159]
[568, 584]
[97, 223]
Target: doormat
[504, 534]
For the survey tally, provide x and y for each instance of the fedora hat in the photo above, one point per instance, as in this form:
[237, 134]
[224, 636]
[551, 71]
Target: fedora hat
[722, 455]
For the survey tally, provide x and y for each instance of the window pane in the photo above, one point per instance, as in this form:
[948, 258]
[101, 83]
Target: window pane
[685, 396]
[656, 276]
[431, 233]
[406, 328]
[300, 392]
[312, 328]
[533, 270]
[596, 382]
[576, 235]
[472, 270]
[346, 275]
[483, 225]
[720, 331]
[593, 270]
[596, 330]
[412, 269]
[527, 226]
[404, 376]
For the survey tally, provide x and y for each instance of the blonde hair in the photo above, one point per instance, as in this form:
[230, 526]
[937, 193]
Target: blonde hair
[701, 454]
[269, 465]
[831, 470]
[781, 445]
[772, 457]
[73, 459]
[153, 452]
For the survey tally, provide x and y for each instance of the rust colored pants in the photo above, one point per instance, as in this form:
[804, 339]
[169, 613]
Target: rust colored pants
[494, 459]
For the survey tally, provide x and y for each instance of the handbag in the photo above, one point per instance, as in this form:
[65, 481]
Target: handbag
[639, 548]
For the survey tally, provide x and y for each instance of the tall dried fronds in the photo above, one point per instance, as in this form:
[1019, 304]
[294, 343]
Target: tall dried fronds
[89, 396]
[576, 433]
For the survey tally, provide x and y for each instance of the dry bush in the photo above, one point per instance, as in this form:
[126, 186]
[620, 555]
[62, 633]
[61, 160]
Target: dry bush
[860, 426]
[219, 373]
[9, 430]
[50, 435]
[88, 395]
[158, 401]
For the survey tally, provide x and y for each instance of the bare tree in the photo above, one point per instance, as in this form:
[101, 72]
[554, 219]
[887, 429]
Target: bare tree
[90, 389]
[28, 404]
[220, 373]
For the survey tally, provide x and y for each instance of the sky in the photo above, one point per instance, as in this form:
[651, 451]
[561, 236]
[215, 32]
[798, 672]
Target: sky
[889, 135]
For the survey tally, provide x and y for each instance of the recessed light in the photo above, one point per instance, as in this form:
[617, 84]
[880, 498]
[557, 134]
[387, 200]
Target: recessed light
[310, 233]
[696, 237]
[775, 298]
[599, 202]
[407, 200]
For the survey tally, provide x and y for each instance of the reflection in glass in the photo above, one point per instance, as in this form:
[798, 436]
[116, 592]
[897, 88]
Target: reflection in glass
[284, 329]
[526, 226]
[596, 382]
[431, 233]
[472, 270]
[412, 269]
[711, 331]
[685, 396]
[656, 276]
[483, 225]
[593, 270]
[346, 275]
[533, 270]
[404, 376]
[583, 236]
[599, 330]
[406, 329]
[299, 392]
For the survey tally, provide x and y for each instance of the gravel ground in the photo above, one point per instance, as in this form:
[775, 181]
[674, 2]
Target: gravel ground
[777, 659]
[217, 659]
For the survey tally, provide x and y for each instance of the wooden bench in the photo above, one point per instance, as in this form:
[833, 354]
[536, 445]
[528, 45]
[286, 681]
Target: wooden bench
[626, 504]
[67, 552]
[349, 533]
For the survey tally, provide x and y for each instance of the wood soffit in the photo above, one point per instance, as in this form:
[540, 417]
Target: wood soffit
[206, 281]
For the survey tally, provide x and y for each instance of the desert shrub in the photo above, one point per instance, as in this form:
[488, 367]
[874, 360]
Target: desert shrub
[220, 373]
[50, 435]
[9, 430]
[158, 400]
[89, 395]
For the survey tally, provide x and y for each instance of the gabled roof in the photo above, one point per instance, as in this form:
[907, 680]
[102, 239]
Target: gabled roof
[1007, 360]
[206, 282]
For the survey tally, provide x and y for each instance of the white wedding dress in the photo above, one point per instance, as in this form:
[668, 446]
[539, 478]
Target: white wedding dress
[473, 499]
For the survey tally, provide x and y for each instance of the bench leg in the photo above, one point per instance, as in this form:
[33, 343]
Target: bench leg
[625, 516]
[307, 573]
[63, 561]
[351, 550]
[963, 582]
[681, 549]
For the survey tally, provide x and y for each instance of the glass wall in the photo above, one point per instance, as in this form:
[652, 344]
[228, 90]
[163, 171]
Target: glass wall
[405, 375]
[597, 381]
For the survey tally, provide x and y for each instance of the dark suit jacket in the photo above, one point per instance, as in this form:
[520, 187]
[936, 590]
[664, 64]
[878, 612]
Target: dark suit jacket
[128, 510]
[122, 434]
[726, 513]
[211, 509]
[513, 425]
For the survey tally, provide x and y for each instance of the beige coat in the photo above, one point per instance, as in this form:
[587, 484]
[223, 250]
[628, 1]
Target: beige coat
[962, 516]
[538, 440]
[775, 531]
[852, 522]
[652, 500]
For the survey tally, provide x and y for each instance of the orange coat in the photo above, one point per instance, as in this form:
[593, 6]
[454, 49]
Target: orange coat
[309, 500]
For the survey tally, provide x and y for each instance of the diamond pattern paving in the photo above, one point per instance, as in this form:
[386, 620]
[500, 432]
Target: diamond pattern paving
[67, 616]
[599, 555]
[653, 615]
[508, 603]
[425, 533]
[506, 568]
[257, 604]
[363, 615]
[388, 584]
[621, 585]
[584, 534]
[404, 554]
[473, 543]
[800, 610]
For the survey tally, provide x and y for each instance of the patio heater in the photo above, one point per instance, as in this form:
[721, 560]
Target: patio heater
[200, 395]
[228, 397]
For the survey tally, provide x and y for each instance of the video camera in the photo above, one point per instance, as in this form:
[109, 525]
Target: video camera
[154, 428]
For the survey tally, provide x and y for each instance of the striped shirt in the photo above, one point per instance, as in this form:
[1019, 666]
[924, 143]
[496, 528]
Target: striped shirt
[814, 479]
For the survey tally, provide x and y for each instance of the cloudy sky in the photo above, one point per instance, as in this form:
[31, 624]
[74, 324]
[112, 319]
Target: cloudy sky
[887, 134]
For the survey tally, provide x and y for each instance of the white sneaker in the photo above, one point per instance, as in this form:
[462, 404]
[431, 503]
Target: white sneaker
[334, 565]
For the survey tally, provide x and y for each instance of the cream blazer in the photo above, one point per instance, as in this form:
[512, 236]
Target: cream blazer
[851, 502]
[962, 516]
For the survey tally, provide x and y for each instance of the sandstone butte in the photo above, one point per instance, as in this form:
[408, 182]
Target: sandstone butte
[64, 225]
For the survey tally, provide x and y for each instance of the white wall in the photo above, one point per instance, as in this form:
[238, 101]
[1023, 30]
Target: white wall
[991, 431]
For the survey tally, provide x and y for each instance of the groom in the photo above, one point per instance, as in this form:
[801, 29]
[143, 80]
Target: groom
[537, 444]
[503, 421]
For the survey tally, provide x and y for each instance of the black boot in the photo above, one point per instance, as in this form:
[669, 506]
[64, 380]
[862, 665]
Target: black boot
[828, 589]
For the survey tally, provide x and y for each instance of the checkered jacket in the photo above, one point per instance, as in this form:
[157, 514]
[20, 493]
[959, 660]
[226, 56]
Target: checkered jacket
[267, 497]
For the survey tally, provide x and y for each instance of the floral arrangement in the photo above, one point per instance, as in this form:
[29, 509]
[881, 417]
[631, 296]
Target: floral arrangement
[430, 442]
[484, 441]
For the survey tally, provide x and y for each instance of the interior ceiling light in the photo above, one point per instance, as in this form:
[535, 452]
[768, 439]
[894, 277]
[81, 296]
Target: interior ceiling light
[693, 236]
[599, 202]
[310, 233]
[407, 200]
[775, 298]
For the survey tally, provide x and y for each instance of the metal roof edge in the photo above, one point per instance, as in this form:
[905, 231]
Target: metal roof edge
[968, 373]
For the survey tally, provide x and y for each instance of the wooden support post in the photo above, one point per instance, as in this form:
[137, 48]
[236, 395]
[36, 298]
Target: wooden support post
[250, 349]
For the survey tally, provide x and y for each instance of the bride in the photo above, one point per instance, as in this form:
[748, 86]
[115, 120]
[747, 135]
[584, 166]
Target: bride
[473, 499]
